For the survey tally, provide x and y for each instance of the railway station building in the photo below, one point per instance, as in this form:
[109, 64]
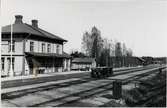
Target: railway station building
[34, 50]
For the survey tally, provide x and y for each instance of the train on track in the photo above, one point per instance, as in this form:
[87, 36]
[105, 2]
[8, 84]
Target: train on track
[101, 72]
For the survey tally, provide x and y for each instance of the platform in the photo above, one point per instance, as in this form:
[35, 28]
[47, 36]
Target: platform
[42, 78]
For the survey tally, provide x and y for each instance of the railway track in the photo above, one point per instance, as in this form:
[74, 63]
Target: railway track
[107, 87]
[85, 79]
[103, 85]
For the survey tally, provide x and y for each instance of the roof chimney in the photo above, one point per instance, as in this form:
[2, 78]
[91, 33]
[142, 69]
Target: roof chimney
[18, 19]
[34, 23]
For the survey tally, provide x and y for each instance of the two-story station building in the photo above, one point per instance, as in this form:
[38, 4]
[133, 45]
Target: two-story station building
[34, 50]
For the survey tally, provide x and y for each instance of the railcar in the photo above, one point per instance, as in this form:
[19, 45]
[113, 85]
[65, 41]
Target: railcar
[101, 72]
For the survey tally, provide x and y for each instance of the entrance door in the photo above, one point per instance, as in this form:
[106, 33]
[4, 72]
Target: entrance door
[30, 63]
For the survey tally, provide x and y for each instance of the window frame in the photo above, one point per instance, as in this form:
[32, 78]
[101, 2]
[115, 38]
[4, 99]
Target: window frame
[2, 63]
[58, 49]
[9, 61]
[31, 46]
[43, 47]
[49, 48]
[13, 46]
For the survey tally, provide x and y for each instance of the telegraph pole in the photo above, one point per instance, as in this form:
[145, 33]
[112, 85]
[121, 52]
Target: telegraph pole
[11, 46]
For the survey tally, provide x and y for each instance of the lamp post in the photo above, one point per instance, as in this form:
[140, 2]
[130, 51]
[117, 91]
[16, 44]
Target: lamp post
[11, 51]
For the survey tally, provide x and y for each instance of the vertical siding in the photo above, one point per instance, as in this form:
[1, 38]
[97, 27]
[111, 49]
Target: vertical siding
[6, 66]
[27, 70]
[38, 46]
[55, 47]
[18, 66]
[27, 45]
[17, 55]
[4, 47]
[60, 49]
[52, 48]
[35, 46]
[18, 47]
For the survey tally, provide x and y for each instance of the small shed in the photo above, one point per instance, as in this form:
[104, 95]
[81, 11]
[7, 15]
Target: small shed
[83, 64]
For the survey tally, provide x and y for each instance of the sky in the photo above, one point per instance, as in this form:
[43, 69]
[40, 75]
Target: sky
[140, 24]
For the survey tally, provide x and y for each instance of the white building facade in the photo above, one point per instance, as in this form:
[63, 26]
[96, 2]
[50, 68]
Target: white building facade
[83, 63]
[34, 51]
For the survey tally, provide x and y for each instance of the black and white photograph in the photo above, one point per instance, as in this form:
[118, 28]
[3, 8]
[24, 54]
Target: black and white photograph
[83, 53]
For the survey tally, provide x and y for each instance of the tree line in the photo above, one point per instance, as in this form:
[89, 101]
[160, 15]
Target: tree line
[108, 52]
[95, 46]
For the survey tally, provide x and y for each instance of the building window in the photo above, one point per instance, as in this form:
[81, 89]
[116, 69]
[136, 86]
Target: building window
[58, 49]
[13, 46]
[9, 63]
[49, 48]
[43, 47]
[31, 46]
[2, 63]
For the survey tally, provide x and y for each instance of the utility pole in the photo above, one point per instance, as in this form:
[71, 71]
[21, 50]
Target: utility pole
[96, 50]
[106, 57]
[11, 51]
[109, 60]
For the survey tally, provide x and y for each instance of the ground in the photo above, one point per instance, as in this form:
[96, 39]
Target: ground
[150, 91]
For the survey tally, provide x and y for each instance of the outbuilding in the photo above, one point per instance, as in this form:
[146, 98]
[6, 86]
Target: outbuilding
[83, 63]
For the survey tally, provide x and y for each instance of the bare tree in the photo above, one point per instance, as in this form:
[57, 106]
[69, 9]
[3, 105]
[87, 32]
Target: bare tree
[118, 49]
[124, 50]
[105, 55]
[129, 52]
[92, 43]
[87, 43]
[97, 42]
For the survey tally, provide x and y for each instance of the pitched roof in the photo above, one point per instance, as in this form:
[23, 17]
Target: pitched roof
[66, 54]
[83, 60]
[26, 28]
[141, 59]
